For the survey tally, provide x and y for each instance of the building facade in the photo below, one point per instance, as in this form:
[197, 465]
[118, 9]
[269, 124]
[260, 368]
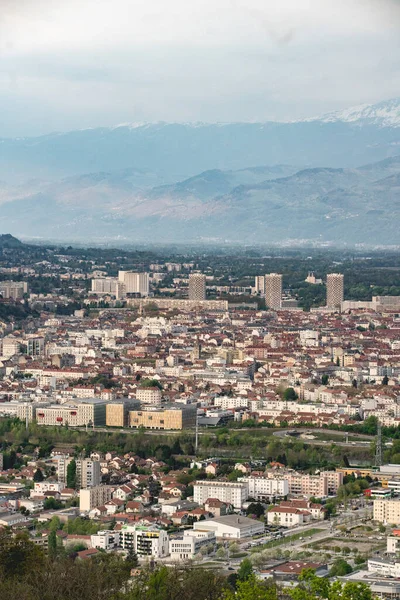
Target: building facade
[273, 291]
[197, 286]
[230, 492]
[168, 417]
[95, 496]
[334, 290]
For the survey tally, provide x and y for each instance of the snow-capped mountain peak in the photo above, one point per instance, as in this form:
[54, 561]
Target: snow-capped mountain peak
[383, 114]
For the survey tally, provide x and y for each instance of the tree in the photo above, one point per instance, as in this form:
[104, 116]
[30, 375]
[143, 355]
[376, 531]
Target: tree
[71, 474]
[131, 558]
[255, 508]
[245, 570]
[325, 379]
[251, 589]
[38, 475]
[52, 544]
[385, 380]
[289, 394]
[312, 587]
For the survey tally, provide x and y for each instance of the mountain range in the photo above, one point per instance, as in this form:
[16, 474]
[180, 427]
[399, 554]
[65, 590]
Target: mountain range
[192, 182]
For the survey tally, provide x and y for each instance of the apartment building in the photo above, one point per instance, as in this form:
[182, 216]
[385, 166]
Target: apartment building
[13, 289]
[62, 465]
[197, 286]
[273, 291]
[169, 417]
[88, 412]
[334, 290]
[320, 485]
[286, 517]
[145, 541]
[189, 544]
[88, 473]
[259, 285]
[105, 540]
[230, 492]
[181, 304]
[95, 496]
[387, 511]
[135, 283]
[104, 285]
[265, 488]
[149, 395]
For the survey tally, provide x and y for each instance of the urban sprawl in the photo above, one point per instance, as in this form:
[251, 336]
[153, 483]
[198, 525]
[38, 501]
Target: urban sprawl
[162, 420]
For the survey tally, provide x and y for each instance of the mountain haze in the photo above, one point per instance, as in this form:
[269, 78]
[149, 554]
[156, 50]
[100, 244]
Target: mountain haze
[181, 182]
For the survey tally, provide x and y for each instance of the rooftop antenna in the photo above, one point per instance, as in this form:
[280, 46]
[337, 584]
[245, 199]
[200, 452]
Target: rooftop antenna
[378, 451]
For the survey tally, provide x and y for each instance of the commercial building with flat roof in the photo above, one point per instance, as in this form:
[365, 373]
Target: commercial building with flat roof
[231, 527]
[170, 416]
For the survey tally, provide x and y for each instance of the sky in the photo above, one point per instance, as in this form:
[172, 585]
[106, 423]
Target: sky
[74, 64]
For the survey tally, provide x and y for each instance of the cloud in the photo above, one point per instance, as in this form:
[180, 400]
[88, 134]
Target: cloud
[96, 62]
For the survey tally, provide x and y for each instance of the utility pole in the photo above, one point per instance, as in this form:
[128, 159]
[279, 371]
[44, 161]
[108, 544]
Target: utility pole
[378, 450]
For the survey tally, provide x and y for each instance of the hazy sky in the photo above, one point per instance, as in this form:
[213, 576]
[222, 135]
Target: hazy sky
[68, 64]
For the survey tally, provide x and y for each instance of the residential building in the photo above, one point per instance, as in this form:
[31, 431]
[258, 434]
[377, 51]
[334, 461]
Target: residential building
[259, 285]
[230, 492]
[88, 473]
[105, 540]
[35, 346]
[197, 286]
[273, 291]
[95, 496]
[145, 541]
[287, 517]
[334, 290]
[265, 488]
[13, 289]
[135, 283]
[387, 511]
[149, 395]
[104, 285]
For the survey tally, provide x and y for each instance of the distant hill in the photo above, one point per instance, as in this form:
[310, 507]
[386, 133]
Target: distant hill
[253, 205]
[191, 182]
[9, 241]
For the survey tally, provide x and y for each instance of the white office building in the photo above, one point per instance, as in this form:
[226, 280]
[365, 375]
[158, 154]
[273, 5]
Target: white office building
[135, 283]
[231, 527]
[187, 546]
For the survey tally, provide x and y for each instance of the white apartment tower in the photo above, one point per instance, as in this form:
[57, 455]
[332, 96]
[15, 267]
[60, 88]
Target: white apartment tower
[259, 285]
[273, 291]
[197, 286]
[334, 290]
[135, 283]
